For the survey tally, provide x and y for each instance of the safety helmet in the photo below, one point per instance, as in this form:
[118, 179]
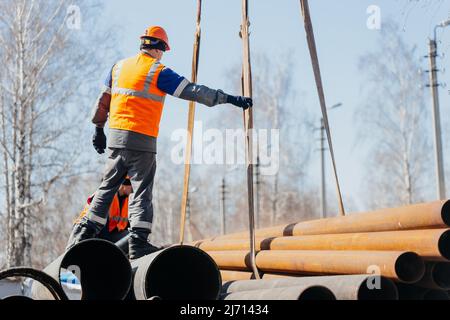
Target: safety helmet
[155, 32]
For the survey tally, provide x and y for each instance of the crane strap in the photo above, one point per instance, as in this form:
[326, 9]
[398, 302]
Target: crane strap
[316, 68]
[191, 115]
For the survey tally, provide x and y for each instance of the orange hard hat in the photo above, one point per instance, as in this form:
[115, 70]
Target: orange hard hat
[157, 32]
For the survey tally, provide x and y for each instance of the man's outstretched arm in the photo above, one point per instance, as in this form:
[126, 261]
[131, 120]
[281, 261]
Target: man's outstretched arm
[178, 86]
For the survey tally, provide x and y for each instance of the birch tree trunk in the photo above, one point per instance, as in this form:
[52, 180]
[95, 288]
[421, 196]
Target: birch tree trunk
[48, 69]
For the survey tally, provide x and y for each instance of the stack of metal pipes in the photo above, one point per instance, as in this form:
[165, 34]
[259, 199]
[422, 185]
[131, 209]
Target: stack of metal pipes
[105, 273]
[396, 253]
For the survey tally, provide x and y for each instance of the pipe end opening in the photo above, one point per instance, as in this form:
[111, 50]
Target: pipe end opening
[444, 244]
[409, 267]
[445, 213]
[377, 288]
[317, 293]
[183, 272]
[102, 269]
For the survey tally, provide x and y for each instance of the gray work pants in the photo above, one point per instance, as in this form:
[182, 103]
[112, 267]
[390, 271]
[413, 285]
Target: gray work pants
[140, 167]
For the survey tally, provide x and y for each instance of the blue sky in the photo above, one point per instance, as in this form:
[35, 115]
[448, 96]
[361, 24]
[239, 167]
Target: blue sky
[276, 27]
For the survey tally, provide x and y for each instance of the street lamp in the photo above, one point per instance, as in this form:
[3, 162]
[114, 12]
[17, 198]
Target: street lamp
[323, 198]
[436, 113]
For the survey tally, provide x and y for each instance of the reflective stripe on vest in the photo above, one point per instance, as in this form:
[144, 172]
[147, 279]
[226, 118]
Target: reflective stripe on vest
[136, 101]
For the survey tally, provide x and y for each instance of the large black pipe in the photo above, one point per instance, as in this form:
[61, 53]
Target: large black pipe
[437, 276]
[177, 273]
[412, 292]
[123, 244]
[104, 271]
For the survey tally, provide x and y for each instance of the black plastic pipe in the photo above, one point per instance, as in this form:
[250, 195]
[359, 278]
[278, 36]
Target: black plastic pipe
[176, 273]
[104, 271]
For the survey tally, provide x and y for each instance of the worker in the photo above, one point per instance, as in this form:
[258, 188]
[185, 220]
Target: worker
[132, 102]
[116, 226]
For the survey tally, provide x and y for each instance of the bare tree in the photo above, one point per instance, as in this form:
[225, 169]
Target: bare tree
[278, 108]
[284, 195]
[48, 69]
[394, 119]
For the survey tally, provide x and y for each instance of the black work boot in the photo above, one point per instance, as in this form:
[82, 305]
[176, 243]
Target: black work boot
[139, 245]
[81, 231]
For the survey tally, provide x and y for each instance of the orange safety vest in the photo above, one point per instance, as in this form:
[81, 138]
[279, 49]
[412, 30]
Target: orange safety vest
[117, 218]
[136, 102]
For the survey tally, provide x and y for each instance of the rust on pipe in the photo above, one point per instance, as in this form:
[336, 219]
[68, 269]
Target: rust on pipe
[285, 293]
[437, 276]
[431, 244]
[348, 287]
[429, 215]
[233, 275]
[412, 292]
[406, 267]
[232, 260]
[230, 275]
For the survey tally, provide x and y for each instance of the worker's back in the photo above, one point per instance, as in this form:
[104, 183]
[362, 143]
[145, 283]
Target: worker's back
[136, 102]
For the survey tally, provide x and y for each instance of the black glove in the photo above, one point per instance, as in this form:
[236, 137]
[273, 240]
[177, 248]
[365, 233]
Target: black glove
[99, 140]
[241, 102]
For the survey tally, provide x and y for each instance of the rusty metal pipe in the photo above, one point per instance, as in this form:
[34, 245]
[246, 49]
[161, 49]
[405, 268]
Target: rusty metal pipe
[412, 292]
[437, 276]
[299, 292]
[177, 273]
[406, 267]
[349, 287]
[232, 275]
[429, 215]
[432, 244]
[104, 271]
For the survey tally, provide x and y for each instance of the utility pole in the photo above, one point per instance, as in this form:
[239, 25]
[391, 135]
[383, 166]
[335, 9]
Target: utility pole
[188, 219]
[323, 202]
[222, 206]
[188, 212]
[436, 116]
[323, 184]
[257, 183]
